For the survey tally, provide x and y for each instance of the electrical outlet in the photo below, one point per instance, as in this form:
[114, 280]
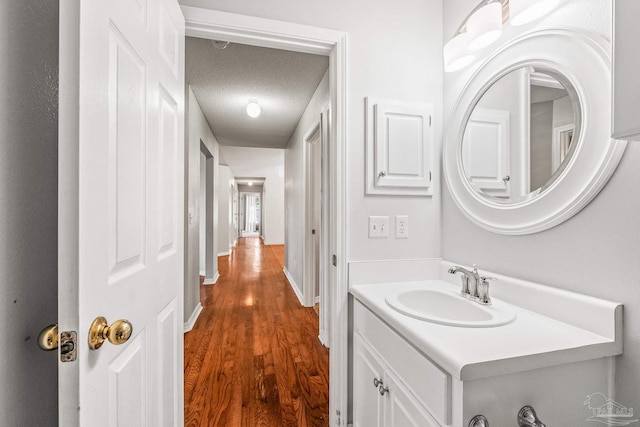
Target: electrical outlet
[402, 227]
[378, 226]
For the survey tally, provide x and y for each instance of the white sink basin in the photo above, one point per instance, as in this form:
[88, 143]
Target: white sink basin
[447, 307]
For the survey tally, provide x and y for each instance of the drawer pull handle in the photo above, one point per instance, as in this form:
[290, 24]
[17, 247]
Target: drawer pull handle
[377, 382]
[382, 389]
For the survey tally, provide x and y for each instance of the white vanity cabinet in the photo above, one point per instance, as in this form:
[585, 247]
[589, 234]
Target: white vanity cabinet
[381, 397]
[395, 384]
[626, 62]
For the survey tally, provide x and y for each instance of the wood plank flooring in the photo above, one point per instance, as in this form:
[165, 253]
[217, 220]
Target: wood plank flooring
[253, 357]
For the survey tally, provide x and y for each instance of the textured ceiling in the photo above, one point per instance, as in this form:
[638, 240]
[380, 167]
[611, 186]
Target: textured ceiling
[225, 80]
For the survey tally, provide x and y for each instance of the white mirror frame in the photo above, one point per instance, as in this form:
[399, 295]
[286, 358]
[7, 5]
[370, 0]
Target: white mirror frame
[584, 59]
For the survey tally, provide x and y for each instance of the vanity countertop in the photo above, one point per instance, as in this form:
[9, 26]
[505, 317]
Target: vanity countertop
[531, 341]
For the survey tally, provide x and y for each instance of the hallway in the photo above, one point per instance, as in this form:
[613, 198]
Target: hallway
[253, 357]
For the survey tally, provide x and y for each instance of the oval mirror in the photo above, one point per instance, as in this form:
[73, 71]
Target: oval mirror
[528, 143]
[521, 134]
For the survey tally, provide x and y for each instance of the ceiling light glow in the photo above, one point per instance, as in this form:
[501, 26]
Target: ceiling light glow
[253, 109]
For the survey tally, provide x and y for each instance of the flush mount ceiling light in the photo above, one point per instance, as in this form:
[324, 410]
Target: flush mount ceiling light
[253, 109]
[525, 11]
[484, 24]
[250, 183]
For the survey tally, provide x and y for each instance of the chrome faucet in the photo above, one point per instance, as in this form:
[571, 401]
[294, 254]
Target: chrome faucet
[474, 286]
[469, 280]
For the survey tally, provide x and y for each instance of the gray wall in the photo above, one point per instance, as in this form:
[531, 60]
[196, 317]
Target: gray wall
[597, 252]
[198, 131]
[294, 187]
[28, 209]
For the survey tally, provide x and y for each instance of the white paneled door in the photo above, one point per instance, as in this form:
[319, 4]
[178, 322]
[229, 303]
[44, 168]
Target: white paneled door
[121, 210]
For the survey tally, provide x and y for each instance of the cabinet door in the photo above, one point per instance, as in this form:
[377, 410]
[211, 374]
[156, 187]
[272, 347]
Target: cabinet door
[367, 401]
[402, 409]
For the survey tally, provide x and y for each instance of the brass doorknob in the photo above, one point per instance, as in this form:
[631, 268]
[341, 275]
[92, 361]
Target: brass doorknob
[48, 338]
[118, 333]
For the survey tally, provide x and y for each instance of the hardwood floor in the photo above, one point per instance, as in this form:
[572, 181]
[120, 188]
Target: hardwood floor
[253, 357]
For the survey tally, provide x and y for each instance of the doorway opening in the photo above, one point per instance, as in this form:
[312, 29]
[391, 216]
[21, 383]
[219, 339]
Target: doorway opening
[251, 213]
[206, 212]
[251, 207]
[213, 25]
[317, 207]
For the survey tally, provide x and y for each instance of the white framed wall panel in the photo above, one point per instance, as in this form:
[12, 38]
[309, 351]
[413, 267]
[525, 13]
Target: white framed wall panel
[399, 147]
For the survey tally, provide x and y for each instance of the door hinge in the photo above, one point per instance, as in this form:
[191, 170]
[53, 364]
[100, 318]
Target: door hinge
[68, 346]
[429, 121]
[338, 417]
[334, 260]
[313, 231]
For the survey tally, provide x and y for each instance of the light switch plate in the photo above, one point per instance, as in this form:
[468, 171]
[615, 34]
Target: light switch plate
[378, 227]
[402, 226]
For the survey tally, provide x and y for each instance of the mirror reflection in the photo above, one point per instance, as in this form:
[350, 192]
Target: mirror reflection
[521, 134]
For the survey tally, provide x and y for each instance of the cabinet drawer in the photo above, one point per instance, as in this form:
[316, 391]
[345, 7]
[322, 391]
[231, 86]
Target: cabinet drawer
[430, 384]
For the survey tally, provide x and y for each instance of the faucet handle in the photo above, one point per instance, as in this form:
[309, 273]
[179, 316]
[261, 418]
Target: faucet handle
[483, 290]
[527, 417]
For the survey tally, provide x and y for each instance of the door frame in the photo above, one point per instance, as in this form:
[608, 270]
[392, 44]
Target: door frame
[308, 294]
[216, 25]
[210, 235]
[244, 212]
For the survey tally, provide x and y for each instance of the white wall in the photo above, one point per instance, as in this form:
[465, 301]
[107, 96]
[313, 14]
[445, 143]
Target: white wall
[394, 51]
[197, 130]
[596, 252]
[225, 192]
[28, 210]
[294, 167]
[267, 163]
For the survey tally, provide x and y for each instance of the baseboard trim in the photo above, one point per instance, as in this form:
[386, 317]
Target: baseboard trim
[202, 273]
[292, 282]
[223, 253]
[188, 325]
[212, 281]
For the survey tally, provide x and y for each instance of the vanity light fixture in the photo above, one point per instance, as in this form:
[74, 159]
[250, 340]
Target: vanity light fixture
[253, 109]
[524, 11]
[484, 24]
[456, 53]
